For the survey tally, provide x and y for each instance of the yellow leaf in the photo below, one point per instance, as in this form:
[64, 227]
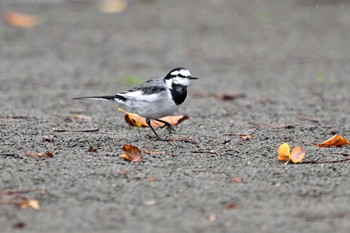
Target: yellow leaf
[297, 155]
[283, 152]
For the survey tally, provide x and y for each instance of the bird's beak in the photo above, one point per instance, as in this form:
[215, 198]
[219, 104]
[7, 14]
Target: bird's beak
[193, 77]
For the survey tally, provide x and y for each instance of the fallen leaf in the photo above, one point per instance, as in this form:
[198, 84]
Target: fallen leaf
[336, 140]
[19, 225]
[139, 121]
[262, 100]
[132, 153]
[297, 155]
[211, 217]
[81, 117]
[112, 6]
[31, 203]
[283, 152]
[153, 152]
[235, 180]
[152, 179]
[244, 136]
[232, 206]
[93, 149]
[150, 202]
[20, 20]
[47, 154]
[123, 172]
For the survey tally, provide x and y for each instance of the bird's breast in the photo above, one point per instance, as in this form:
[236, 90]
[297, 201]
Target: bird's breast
[178, 93]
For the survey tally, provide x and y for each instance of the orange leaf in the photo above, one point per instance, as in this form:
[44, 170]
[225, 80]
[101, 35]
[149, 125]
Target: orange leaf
[336, 140]
[132, 153]
[297, 155]
[139, 121]
[47, 154]
[20, 20]
[31, 203]
[283, 152]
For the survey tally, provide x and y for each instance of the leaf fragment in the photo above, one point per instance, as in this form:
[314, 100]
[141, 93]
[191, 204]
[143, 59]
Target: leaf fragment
[336, 140]
[112, 6]
[132, 153]
[46, 154]
[30, 203]
[93, 149]
[134, 119]
[20, 20]
[81, 117]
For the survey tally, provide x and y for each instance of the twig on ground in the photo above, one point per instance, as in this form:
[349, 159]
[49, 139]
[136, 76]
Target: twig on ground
[76, 130]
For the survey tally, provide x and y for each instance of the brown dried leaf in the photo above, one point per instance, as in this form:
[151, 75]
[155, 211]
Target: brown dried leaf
[20, 20]
[153, 152]
[132, 153]
[229, 96]
[139, 121]
[244, 136]
[47, 154]
[232, 206]
[336, 140]
[93, 149]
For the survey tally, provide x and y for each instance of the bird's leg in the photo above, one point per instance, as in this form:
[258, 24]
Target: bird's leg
[148, 121]
[167, 125]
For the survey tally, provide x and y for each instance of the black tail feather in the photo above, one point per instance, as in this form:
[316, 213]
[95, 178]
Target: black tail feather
[115, 97]
[107, 97]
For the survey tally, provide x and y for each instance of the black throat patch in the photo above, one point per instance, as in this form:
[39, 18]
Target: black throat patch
[178, 93]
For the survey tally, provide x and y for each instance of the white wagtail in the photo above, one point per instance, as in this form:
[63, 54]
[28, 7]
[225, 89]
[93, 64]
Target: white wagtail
[155, 98]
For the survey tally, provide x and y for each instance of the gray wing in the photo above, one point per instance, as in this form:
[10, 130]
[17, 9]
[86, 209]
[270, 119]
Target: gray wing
[153, 82]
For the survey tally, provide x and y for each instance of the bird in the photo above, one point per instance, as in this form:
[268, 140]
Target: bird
[155, 98]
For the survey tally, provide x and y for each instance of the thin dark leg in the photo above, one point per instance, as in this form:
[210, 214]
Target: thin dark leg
[167, 125]
[148, 121]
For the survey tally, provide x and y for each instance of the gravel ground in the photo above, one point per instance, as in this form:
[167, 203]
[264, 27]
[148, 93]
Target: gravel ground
[291, 60]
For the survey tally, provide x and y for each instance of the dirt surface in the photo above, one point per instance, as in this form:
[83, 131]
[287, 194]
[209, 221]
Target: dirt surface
[290, 58]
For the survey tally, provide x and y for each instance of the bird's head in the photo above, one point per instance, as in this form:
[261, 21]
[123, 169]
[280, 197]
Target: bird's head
[178, 76]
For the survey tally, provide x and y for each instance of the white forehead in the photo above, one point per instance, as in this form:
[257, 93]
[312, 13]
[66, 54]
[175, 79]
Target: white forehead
[183, 72]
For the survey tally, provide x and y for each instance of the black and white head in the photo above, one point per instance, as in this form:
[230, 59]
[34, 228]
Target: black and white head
[178, 76]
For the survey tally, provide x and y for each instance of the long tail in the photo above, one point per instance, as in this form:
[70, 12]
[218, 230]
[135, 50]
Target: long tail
[107, 97]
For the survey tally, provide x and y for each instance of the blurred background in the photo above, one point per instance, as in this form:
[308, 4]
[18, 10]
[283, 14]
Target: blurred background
[52, 50]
